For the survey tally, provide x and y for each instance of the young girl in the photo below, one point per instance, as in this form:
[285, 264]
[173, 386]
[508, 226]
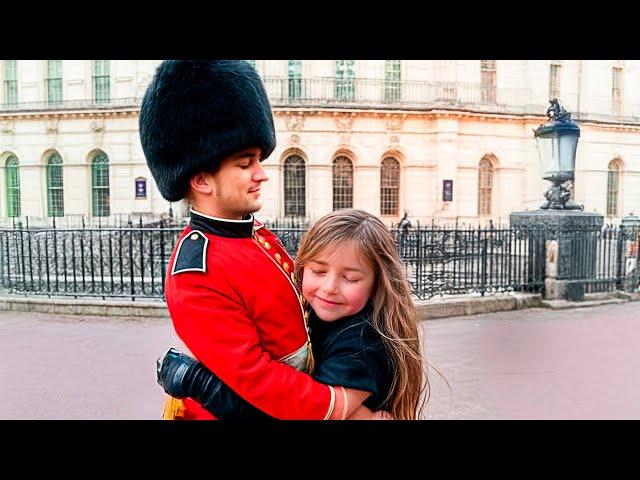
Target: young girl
[362, 321]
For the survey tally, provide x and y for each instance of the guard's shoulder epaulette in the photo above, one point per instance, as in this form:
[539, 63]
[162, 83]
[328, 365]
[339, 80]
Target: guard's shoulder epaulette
[192, 253]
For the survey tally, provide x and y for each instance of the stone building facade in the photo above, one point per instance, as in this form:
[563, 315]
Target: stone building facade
[444, 140]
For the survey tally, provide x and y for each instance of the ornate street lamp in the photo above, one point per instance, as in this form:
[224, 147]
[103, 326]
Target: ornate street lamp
[557, 141]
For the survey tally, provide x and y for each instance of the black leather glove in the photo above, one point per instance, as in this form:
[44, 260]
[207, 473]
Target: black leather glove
[172, 372]
[182, 376]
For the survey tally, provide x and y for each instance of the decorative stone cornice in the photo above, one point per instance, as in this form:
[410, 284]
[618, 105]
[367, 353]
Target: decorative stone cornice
[71, 114]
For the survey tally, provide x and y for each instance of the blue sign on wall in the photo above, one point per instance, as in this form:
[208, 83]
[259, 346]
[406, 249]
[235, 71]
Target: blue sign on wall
[447, 190]
[141, 187]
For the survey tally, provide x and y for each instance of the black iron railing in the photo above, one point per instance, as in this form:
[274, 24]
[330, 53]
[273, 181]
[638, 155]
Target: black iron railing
[131, 260]
[472, 261]
[128, 261]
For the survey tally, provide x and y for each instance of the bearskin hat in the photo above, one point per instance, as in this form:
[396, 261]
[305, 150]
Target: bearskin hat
[196, 113]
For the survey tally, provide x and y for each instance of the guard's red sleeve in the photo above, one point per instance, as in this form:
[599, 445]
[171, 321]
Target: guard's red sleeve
[214, 325]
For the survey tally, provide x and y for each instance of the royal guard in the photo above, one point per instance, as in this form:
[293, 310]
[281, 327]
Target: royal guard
[205, 128]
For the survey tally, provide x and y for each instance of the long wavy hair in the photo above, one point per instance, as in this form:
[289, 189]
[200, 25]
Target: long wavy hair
[394, 313]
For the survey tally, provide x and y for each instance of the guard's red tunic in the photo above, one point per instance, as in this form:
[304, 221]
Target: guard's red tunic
[233, 302]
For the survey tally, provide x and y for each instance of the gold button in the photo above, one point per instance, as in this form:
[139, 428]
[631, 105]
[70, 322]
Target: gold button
[285, 265]
[278, 257]
[260, 239]
[194, 236]
[266, 245]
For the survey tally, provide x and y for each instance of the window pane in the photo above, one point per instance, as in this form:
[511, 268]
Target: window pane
[295, 79]
[392, 83]
[389, 186]
[101, 81]
[294, 186]
[100, 185]
[345, 79]
[488, 82]
[613, 181]
[11, 82]
[554, 81]
[616, 94]
[13, 187]
[342, 183]
[55, 188]
[54, 81]
[485, 184]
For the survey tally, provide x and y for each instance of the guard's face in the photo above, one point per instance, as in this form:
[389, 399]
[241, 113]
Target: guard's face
[238, 184]
[337, 283]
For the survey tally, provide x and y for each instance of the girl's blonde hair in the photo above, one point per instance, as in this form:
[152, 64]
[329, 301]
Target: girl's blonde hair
[394, 313]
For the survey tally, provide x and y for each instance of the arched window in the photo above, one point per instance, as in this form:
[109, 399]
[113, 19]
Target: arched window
[294, 186]
[342, 183]
[345, 80]
[13, 186]
[389, 186]
[485, 184]
[100, 185]
[54, 82]
[613, 187]
[102, 81]
[55, 187]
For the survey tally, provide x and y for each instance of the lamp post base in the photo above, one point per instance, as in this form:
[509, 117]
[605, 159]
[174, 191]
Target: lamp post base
[570, 249]
[559, 198]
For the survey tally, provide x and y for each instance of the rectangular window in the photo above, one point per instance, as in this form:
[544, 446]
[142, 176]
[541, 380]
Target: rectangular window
[102, 81]
[295, 79]
[392, 85]
[488, 82]
[345, 80]
[554, 80]
[11, 82]
[616, 90]
[54, 82]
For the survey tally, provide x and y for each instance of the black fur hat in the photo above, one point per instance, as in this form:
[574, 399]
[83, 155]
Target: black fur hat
[196, 113]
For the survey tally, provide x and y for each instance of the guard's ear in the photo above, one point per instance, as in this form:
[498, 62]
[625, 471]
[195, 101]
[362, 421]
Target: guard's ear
[202, 182]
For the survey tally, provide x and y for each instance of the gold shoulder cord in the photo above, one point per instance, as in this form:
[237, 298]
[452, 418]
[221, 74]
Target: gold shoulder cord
[310, 360]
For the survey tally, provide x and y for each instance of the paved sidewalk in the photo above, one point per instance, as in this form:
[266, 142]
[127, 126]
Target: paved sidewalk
[524, 364]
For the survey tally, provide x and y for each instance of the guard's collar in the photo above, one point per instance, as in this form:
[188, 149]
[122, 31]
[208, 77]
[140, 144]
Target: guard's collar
[223, 227]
